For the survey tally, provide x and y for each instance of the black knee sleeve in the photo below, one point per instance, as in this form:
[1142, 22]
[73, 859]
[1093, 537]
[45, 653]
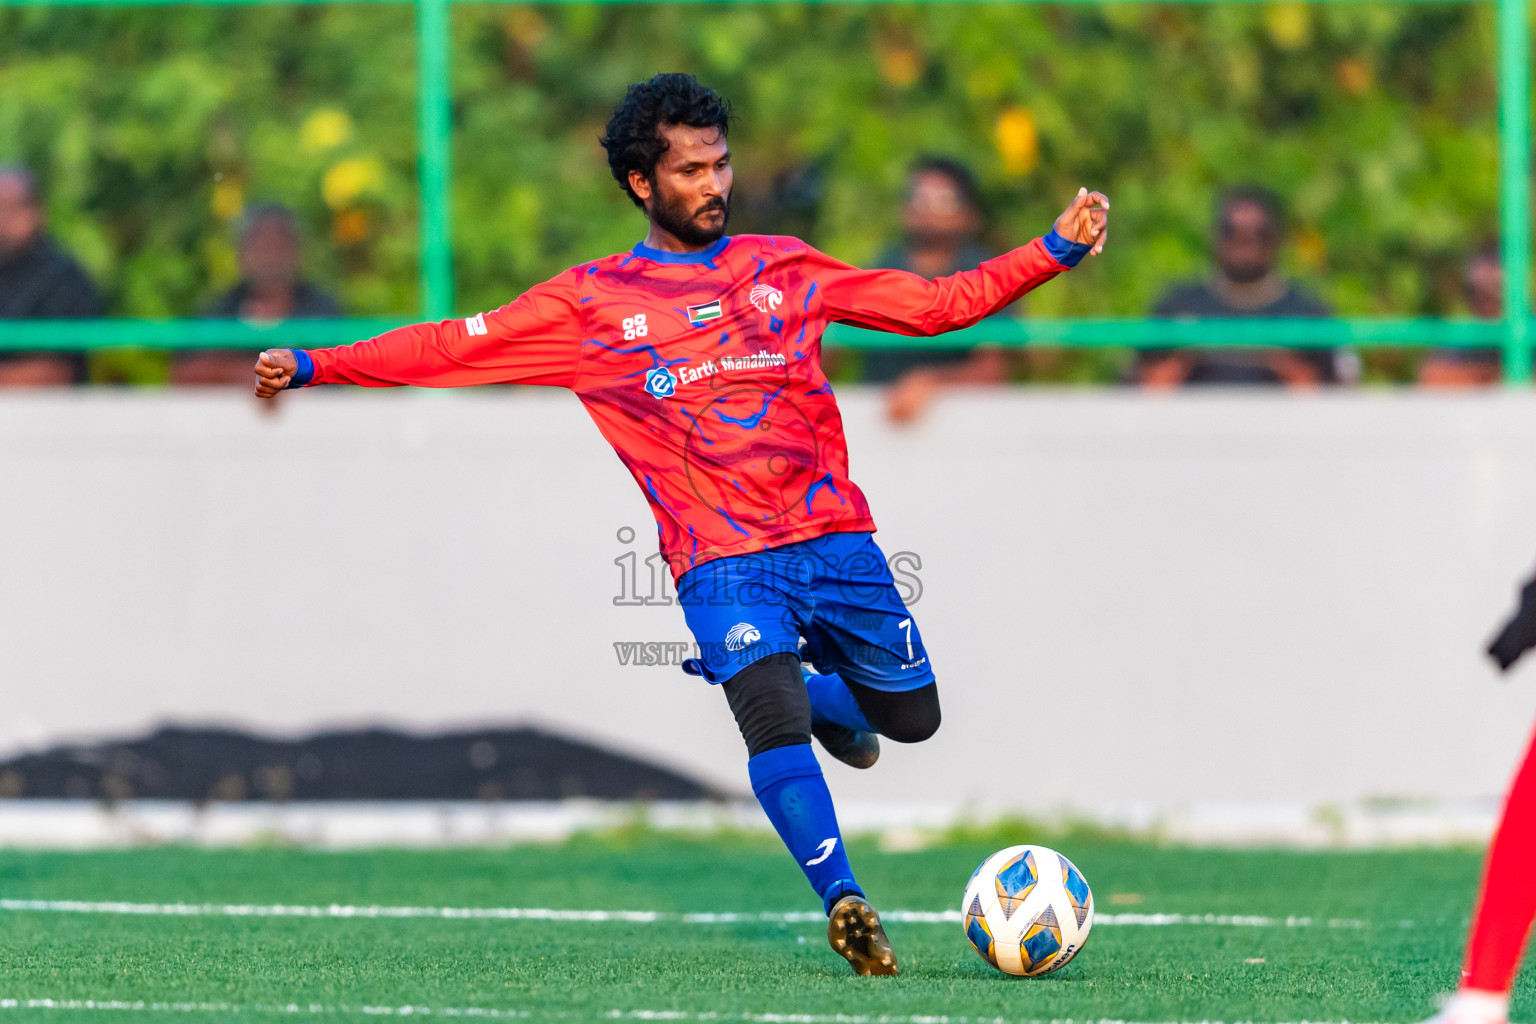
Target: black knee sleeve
[770, 703]
[908, 717]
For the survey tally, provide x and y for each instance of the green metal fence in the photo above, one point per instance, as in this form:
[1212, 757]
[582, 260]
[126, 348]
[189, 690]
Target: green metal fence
[435, 170]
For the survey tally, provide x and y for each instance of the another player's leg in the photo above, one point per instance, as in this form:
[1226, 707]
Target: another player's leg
[1505, 909]
[773, 710]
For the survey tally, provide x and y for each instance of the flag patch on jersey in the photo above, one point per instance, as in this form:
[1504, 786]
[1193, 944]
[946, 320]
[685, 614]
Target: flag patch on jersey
[698, 315]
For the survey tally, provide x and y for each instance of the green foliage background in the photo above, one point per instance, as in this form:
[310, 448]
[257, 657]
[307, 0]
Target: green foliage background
[153, 128]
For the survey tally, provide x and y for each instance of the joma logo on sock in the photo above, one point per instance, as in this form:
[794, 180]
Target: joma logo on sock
[826, 848]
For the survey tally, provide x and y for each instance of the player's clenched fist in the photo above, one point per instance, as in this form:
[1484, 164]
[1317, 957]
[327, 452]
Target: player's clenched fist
[1086, 221]
[274, 369]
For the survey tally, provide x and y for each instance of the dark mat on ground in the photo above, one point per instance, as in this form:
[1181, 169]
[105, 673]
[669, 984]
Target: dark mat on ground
[177, 763]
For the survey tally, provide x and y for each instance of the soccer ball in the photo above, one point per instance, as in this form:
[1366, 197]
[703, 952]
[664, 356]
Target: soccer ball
[1027, 910]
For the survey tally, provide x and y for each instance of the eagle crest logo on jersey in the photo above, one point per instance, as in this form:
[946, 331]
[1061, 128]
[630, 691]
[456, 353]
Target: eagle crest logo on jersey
[766, 297]
[741, 635]
[660, 382]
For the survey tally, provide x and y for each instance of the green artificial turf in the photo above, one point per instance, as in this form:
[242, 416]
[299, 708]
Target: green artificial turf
[1404, 919]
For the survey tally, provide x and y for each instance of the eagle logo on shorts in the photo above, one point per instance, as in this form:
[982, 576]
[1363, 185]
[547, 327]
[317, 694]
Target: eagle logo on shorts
[742, 635]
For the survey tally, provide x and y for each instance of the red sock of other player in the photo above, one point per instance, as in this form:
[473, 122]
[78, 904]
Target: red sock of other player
[1508, 900]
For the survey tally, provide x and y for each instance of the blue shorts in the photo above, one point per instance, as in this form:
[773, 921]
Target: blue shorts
[835, 591]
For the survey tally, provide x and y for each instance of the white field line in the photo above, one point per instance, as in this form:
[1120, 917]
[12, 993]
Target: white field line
[598, 916]
[319, 1009]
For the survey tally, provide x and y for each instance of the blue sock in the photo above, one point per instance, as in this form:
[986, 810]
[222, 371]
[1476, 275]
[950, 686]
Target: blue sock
[788, 783]
[832, 701]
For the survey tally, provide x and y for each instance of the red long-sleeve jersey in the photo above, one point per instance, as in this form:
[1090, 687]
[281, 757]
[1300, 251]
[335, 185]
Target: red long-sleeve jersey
[703, 370]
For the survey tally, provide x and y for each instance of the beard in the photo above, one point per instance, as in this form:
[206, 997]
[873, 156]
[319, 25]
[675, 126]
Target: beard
[1245, 273]
[671, 214]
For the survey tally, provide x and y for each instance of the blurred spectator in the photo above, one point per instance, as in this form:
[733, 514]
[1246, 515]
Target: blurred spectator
[1249, 232]
[271, 287]
[1483, 278]
[942, 217]
[37, 279]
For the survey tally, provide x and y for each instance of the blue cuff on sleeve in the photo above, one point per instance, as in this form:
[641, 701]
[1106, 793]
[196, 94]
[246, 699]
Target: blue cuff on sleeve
[306, 371]
[1068, 254]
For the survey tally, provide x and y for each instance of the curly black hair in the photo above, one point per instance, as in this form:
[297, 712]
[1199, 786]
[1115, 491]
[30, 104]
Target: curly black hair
[633, 138]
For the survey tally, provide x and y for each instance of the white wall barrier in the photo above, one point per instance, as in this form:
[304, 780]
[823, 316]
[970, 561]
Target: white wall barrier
[1131, 600]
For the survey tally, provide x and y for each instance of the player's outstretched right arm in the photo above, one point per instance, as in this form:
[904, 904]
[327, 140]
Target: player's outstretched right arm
[904, 303]
[535, 340]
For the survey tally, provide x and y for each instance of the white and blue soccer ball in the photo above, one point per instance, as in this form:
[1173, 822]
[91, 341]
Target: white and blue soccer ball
[1027, 910]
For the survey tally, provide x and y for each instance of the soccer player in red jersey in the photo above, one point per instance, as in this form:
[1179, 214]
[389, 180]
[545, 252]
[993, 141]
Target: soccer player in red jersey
[697, 354]
[1506, 904]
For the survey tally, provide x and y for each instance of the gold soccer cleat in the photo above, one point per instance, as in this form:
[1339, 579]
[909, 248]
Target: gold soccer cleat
[855, 932]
